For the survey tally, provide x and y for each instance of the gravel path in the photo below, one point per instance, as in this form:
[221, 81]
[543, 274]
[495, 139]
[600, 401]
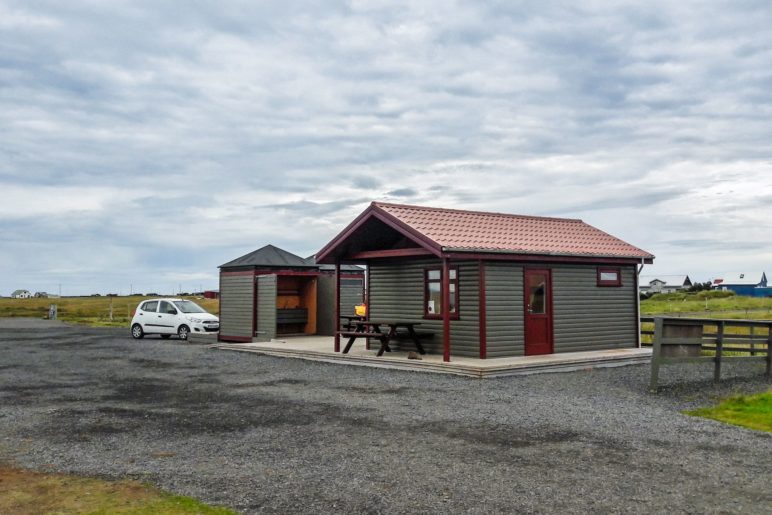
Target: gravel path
[264, 434]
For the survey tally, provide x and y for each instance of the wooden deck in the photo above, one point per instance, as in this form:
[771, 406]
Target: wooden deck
[320, 348]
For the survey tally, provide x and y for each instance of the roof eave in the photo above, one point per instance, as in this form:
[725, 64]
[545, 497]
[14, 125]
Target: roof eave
[648, 258]
[374, 211]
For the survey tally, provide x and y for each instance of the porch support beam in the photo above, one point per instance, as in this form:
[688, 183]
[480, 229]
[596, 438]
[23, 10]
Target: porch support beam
[445, 309]
[389, 253]
[367, 299]
[336, 322]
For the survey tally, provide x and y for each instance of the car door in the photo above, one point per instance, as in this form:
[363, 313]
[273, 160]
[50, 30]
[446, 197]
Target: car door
[147, 316]
[167, 318]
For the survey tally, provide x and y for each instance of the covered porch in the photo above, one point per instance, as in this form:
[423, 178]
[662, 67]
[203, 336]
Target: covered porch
[321, 348]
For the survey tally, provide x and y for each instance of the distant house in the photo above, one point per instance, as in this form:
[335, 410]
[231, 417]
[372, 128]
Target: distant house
[211, 294]
[663, 283]
[41, 295]
[21, 294]
[753, 284]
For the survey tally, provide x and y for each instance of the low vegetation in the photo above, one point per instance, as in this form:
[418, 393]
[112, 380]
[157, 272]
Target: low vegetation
[751, 411]
[92, 311]
[708, 304]
[23, 492]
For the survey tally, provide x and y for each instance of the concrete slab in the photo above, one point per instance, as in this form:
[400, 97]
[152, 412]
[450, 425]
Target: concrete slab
[320, 348]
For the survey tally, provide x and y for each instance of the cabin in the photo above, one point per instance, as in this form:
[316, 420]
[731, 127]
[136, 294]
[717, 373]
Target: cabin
[21, 294]
[273, 293]
[490, 285]
[752, 284]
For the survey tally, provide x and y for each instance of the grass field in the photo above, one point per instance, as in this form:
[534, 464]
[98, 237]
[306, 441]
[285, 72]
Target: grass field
[713, 304]
[23, 492]
[93, 311]
[752, 411]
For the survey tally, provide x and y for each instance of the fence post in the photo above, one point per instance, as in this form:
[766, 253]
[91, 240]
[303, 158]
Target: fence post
[719, 350]
[753, 344]
[656, 354]
[769, 350]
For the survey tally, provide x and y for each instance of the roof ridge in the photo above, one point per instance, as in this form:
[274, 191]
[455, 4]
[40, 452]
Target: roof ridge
[475, 212]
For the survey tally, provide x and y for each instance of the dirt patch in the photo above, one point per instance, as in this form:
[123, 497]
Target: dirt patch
[26, 493]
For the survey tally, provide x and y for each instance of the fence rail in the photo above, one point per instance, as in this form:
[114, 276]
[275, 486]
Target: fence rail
[696, 340]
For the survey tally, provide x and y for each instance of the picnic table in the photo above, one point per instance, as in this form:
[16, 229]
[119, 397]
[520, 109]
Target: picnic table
[350, 320]
[372, 329]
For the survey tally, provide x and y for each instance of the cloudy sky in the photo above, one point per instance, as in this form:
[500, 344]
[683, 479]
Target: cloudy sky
[146, 143]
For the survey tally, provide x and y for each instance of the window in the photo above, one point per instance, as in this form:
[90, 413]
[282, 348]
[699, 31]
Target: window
[167, 308]
[150, 306]
[609, 277]
[433, 293]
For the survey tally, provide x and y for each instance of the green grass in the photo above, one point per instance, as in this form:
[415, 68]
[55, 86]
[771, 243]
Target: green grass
[91, 311]
[752, 411]
[708, 304]
[24, 492]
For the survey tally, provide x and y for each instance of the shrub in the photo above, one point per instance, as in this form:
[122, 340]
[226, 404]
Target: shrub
[714, 294]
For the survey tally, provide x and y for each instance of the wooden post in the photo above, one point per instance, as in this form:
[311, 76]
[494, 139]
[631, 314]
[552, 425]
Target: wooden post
[483, 314]
[367, 300]
[336, 322]
[753, 344]
[445, 310]
[769, 350]
[656, 355]
[719, 350]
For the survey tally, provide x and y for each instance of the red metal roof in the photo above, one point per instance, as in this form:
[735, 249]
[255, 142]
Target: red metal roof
[462, 231]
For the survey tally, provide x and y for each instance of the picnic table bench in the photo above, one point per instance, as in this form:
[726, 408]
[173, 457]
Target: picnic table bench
[372, 329]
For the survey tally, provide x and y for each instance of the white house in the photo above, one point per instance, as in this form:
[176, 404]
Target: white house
[663, 283]
[21, 294]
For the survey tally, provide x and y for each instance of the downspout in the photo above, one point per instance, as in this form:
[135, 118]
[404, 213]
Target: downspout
[638, 300]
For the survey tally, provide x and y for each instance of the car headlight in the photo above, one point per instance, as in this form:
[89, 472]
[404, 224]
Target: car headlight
[195, 320]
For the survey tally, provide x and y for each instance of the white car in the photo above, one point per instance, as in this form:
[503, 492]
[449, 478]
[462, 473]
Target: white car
[172, 316]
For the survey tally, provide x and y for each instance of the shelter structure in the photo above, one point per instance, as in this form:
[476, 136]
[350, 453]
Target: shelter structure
[492, 285]
[272, 292]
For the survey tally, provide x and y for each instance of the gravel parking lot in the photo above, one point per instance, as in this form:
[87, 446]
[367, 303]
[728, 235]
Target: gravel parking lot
[263, 434]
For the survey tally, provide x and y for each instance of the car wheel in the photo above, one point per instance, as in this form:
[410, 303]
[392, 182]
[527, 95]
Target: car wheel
[166, 336]
[183, 331]
[137, 332]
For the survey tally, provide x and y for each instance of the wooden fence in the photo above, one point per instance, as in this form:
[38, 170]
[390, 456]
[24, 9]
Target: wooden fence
[699, 340]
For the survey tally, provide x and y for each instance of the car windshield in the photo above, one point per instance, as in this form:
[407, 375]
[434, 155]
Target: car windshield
[187, 306]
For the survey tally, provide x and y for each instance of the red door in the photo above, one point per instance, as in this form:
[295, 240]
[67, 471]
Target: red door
[538, 311]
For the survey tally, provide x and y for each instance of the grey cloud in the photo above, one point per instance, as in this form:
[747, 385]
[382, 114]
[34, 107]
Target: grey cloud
[402, 192]
[316, 108]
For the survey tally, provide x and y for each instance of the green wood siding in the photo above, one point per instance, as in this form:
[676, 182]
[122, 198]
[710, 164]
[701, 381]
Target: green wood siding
[351, 294]
[236, 305]
[266, 307]
[325, 305]
[585, 316]
[397, 292]
[504, 309]
[588, 317]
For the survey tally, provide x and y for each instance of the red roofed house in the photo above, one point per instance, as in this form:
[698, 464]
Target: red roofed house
[493, 285]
